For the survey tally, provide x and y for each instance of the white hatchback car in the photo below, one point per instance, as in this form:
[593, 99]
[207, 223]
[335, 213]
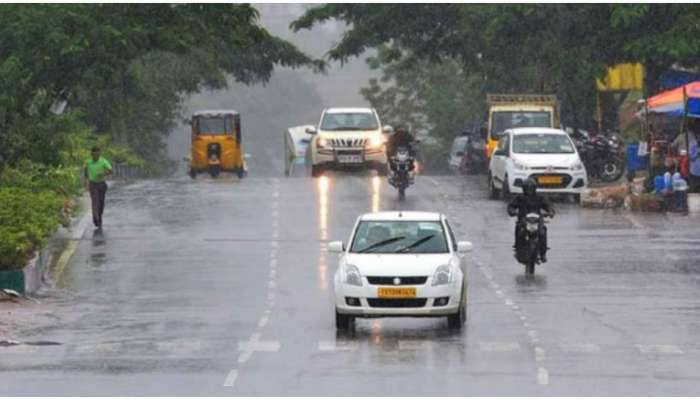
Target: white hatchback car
[401, 264]
[545, 154]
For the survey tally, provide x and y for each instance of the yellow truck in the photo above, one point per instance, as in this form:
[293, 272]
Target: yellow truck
[508, 111]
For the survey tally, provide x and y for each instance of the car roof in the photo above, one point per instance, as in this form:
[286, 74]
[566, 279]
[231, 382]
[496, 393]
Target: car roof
[211, 113]
[339, 110]
[401, 216]
[551, 131]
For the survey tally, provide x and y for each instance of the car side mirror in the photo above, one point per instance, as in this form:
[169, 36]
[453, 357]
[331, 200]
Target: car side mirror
[336, 247]
[311, 131]
[501, 153]
[387, 129]
[464, 247]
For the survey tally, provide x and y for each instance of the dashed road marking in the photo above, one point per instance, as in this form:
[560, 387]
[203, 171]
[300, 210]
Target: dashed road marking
[255, 345]
[499, 346]
[263, 321]
[539, 354]
[659, 349]
[587, 348]
[331, 346]
[542, 376]
[231, 378]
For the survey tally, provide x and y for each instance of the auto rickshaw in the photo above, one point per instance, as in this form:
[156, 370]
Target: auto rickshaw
[216, 143]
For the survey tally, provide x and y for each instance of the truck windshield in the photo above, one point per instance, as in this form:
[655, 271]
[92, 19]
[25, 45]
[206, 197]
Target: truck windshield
[214, 126]
[502, 120]
[349, 122]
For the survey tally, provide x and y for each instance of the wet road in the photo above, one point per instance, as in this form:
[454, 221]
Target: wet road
[225, 288]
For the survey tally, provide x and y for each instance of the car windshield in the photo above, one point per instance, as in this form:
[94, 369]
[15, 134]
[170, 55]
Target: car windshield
[503, 120]
[542, 143]
[410, 237]
[458, 145]
[357, 121]
[214, 126]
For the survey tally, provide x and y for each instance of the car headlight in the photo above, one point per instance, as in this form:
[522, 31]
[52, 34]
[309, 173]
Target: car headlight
[375, 141]
[352, 275]
[520, 166]
[578, 166]
[443, 275]
[321, 142]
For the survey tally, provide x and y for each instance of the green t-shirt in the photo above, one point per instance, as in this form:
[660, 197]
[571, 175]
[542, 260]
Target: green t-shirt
[96, 169]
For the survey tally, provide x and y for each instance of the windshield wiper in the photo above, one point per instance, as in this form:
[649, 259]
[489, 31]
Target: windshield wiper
[415, 244]
[380, 244]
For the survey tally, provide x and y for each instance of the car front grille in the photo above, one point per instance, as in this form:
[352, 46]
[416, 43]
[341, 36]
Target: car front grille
[348, 152]
[348, 142]
[397, 303]
[389, 280]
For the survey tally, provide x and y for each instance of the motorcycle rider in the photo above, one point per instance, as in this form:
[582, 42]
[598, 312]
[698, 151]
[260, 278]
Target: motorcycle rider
[400, 138]
[530, 202]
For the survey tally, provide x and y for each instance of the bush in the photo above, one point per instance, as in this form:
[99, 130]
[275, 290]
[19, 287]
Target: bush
[27, 218]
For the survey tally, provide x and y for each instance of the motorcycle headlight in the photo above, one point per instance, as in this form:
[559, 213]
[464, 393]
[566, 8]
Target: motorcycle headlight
[578, 166]
[532, 227]
[352, 275]
[443, 275]
[520, 166]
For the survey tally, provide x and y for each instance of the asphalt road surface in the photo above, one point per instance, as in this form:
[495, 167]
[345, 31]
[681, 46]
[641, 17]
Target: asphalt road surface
[224, 287]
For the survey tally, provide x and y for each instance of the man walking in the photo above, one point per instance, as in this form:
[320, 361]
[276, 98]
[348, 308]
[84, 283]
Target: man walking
[96, 168]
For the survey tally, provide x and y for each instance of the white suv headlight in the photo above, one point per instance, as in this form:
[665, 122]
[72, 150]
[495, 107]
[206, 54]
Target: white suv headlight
[443, 275]
[520, 166]
[321, 142]
[375, 141]
[352, 275]
[577, 166]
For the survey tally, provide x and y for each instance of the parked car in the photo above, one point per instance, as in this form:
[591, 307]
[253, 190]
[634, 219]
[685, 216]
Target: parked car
[546, 154]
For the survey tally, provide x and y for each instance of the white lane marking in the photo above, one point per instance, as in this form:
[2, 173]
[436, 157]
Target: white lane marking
[523, 318]
[263, 321]
[275, 235]
[499, 346]
[588, 348]
[273, 261]
[539, 354]
[659, 349]
[509, 302]
[434, 181]
[273, 273]
[272, 284]
[337, 346]
[231, 378]
[268, 311]
[415, 345]
[275, 244]
[532, 334]
[275, 213]
[542, 376]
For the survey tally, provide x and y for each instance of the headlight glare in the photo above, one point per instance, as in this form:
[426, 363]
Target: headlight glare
[375, 141]
[321, 142]
[443, 275]
[352, 275]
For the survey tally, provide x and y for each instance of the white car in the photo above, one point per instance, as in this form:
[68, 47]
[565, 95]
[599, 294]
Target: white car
[348, 137]
[401, 264]
[545, 154]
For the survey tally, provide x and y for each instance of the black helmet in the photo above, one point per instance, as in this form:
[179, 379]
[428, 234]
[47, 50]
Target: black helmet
[530, 187]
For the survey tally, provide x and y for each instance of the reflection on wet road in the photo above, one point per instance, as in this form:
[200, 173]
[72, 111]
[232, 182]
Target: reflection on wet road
[224, 287]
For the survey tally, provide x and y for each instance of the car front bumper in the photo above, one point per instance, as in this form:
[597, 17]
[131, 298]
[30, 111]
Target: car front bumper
[332, 157]
[368, 308]
[578, 182]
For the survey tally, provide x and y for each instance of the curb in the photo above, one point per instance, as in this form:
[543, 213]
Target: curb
[29, 279]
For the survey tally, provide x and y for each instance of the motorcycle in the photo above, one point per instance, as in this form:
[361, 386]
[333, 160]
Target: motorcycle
[602, 156]
[527, 252]
[403, 167]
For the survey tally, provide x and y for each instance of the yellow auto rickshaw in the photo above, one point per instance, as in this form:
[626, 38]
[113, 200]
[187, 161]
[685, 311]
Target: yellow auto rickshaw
[216, 143]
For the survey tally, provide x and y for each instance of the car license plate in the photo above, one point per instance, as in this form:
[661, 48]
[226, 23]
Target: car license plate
[350, 159]
[390, 292]
[550, 180]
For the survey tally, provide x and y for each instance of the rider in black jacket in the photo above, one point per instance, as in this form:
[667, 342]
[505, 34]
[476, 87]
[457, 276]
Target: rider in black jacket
[530, 202]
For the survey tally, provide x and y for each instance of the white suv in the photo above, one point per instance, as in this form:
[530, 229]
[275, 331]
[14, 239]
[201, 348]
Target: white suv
[547, 155]
[348, 137]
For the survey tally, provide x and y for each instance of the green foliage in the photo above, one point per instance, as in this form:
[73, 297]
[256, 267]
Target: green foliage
[536, 48]
[26, 219]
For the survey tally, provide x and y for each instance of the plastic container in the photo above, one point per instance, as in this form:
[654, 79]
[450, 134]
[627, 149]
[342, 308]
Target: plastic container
[679, 184]
[694, 203]
[659, 185]
[668, 186]
[634, 161]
